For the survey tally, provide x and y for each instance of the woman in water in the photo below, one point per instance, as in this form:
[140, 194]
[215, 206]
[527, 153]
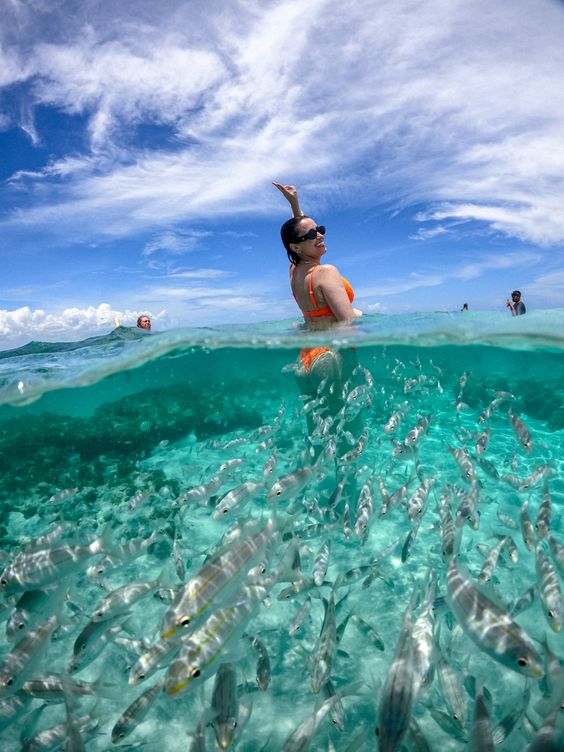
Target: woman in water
[325, 299]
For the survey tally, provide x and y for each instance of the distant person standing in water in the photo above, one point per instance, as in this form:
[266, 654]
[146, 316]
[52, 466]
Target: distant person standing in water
[464, 307]
[144, 322]
[516, 304]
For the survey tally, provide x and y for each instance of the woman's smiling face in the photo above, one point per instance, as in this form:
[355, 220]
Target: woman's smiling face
[314, 246]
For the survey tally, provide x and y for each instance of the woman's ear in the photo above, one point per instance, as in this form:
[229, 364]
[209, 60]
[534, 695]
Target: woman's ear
[295, 248]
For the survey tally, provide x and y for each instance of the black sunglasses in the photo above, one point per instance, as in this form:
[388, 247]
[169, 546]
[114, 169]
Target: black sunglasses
[311, 234]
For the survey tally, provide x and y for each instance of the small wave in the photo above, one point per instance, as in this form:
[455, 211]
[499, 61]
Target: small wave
[39, 367]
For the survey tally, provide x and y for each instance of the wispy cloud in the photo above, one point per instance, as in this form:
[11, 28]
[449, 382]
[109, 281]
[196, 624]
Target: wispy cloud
[435, 114]
[466, 271]
[200, 274]
[175, 242]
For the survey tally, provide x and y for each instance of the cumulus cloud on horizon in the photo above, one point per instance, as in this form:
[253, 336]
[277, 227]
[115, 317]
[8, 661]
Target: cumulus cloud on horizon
[25, 322]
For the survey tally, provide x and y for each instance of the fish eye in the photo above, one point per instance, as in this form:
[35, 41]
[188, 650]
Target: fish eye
[21, 625]
[185, 621]
[100, 613]
[234, 724]
[195, 673]
[83, 646]
[523, 662]
[9, 682]
[551, 614]
[122, 735]
[225, 511]
[3, 582]
[140, 676]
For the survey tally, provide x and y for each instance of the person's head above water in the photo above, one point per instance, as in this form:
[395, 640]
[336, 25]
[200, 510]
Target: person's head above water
[144, 322]
[516, 295]
[297, 233]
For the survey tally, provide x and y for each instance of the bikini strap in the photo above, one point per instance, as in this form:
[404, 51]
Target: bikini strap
[311, 295]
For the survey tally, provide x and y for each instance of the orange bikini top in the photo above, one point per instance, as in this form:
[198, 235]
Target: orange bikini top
[325, 311]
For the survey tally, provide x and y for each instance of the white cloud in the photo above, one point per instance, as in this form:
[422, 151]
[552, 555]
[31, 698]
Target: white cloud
[24, 323]
[200, 274]
[421, 102]
[466, 271]
[174, 242]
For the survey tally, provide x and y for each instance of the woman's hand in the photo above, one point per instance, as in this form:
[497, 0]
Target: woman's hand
[357, 312]
[290, 193]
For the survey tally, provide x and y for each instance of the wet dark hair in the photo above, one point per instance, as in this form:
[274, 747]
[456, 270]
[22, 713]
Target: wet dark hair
[289, 234]
[516, 292]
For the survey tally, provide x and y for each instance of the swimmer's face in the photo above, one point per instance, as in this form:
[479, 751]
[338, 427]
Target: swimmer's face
[516, 297]
[144, 322]
[310, 246]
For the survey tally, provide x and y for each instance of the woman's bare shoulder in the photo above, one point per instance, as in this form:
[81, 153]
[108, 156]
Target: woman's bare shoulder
[328, 270]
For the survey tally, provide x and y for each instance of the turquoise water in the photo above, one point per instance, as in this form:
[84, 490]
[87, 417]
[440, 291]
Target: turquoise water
[113, 433]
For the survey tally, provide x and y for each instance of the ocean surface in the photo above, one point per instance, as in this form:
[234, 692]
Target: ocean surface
[133, 441]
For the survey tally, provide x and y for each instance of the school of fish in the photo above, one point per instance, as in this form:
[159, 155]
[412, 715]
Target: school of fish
[387, 577]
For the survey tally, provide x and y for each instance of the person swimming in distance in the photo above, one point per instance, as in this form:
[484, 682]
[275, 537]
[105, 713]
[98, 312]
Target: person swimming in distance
[516, 304]
[464, 307]
[144, 322]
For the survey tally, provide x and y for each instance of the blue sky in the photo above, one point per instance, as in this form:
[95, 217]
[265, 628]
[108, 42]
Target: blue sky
[138, 141]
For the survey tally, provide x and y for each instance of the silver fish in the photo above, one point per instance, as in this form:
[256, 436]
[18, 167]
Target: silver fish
[157, 656]
[507, 521]
[368, 630]
[447, 528]
[550, 592]
[482, 440]
[417, 502]
[135, 713]
[357, 450]
[543, 517]
[337, 711]
[300, 739]
[237, 496]
[491, 561]
[218, 576]
[30, 605]
[300, 617]
[119, 601]
[491, 628]
[527, 527]
[481, 739]
[524, 601]
[290, 485]
[326, 647]
[225, 705]
[201, 649]
[34, 570]
[19, 662]
[557, 550]
[521, 432]
[263, 663]
[398, 692]
[422, 638]
[452, 692]
[364, 510]
[321, 563]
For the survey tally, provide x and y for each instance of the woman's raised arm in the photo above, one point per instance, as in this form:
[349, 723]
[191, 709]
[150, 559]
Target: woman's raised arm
[290, 193]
